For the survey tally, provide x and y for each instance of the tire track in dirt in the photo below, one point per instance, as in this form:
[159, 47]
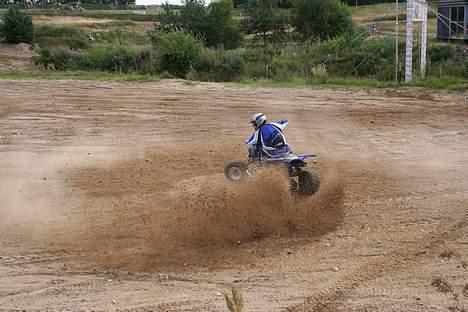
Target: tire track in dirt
[331, 298]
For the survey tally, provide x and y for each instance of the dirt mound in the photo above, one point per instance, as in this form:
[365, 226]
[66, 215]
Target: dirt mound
[155, 217]
[15, 56]
[24, 47]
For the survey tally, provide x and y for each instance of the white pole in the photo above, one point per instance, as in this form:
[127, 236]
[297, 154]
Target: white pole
[396, 41]
[409, 41]
[423, 40]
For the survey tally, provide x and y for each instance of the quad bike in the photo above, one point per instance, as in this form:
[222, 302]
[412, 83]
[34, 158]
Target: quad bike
[303, 180]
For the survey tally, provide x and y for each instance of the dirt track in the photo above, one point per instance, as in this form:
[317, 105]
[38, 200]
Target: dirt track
[112, 198]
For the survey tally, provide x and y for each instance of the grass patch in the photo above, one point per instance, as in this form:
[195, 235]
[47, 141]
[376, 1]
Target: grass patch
[369, 12]
[301, 82]
[77, 75]
[235, 301]
[76, 37]
[66, 36]
[442, 83]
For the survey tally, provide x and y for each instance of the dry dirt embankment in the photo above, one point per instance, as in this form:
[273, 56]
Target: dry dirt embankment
[15, 56]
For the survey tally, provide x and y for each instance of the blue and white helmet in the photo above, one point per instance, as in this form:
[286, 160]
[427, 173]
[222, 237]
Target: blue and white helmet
[258, 119]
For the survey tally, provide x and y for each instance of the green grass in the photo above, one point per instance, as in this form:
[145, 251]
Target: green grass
[49, 36]
[76, 75]
[443, 83]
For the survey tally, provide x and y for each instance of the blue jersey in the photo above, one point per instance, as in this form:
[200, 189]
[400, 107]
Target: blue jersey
[269, 140]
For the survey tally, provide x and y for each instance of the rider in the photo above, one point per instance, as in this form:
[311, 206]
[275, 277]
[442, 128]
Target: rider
[268, 140]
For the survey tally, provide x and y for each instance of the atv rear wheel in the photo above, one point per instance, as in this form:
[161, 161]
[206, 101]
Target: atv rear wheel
[309, 181]
[236, 171]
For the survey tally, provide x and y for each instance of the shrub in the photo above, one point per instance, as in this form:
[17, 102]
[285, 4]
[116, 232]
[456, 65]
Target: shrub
[109, 59]
[373, 58]
[257, 61]
[230, 65]
[177, 52]
[2, 35]
[53, 59]
[234, 303]
[17, 26]
[320, 72]
[439, 53]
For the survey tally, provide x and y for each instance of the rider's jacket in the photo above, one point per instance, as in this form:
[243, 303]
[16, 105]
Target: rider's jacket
[269, 141]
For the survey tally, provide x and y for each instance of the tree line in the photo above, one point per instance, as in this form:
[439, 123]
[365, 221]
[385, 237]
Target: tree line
[214, 24]
[289, 3]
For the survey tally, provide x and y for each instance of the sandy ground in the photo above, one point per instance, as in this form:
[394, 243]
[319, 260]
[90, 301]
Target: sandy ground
[113, 199]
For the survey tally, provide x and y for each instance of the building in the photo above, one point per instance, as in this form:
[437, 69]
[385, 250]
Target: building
[452, 19]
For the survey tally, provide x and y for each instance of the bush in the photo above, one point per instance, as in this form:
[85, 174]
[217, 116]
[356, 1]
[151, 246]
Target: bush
[230, 66]
[257, 61]
[53, 59]
[17, 26]
[177, 52]
[2, 35]
[109, 59]
[374, 58]
[439, 53]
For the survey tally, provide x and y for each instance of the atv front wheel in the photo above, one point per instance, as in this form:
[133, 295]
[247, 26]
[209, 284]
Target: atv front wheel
[236, 171]
[309, 181]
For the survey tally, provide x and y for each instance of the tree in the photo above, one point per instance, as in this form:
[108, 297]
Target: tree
[285, 4]
[238, 3]
[17, 26]
[321, 19]
[177, 51]
[359, 2]
[193, 17]
[264, 19]
[169, 19]
[222, 29]
[213, 24]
